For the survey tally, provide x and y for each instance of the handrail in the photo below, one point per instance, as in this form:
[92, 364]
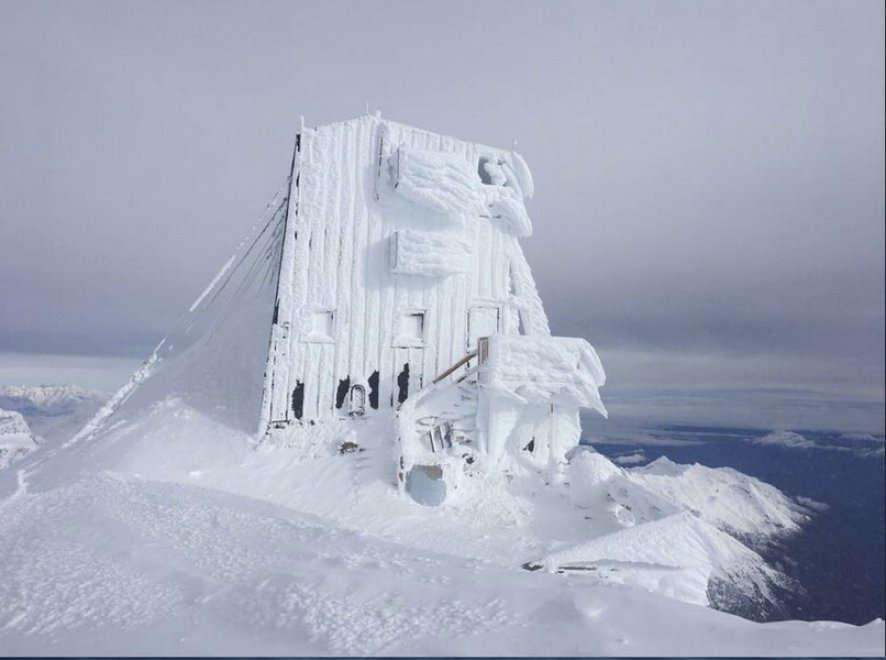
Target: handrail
[455, 366]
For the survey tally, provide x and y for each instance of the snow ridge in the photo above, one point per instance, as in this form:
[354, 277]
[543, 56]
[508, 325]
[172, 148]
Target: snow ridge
[16, 439]
[49, 400]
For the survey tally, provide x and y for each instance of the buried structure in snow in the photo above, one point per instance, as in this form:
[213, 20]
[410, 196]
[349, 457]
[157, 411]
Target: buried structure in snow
[402, 284]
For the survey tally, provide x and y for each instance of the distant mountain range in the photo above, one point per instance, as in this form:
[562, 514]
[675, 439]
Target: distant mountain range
[51, 411]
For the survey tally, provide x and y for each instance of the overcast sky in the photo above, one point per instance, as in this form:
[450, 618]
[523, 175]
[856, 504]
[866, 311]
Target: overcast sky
[709, 175]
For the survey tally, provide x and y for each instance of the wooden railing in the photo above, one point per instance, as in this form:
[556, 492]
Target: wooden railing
[455, 366]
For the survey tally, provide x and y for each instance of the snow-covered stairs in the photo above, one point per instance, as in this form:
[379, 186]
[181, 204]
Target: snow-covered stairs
[447, 414]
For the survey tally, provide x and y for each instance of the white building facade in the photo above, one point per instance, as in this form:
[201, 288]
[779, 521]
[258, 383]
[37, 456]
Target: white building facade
[401, 249]
[402, 285]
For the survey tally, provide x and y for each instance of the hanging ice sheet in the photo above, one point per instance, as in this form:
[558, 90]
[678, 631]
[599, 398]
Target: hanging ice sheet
[429, 253]
[437, 180]
[214, 359]
[539, 369]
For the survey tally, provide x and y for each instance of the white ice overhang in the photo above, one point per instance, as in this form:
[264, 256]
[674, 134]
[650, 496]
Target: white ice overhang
[543, 369]
[449, 184]
[437, 180]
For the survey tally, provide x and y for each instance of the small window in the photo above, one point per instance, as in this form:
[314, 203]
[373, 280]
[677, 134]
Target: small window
[491, 172]
[321, 326]
[410, 329]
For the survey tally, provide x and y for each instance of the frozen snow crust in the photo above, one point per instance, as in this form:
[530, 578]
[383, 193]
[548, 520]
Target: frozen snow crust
[169, 534]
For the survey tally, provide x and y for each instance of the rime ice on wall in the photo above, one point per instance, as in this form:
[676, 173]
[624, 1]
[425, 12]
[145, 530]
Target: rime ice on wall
[435, 254]
[402, 246]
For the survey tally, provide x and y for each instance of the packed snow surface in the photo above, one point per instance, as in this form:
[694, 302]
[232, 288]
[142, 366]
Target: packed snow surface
[167, 534]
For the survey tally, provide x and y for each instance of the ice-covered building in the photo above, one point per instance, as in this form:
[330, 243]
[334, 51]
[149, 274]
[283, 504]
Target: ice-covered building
[402, 280]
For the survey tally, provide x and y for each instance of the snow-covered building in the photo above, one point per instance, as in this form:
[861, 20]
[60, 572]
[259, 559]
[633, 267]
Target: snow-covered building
[401, 252]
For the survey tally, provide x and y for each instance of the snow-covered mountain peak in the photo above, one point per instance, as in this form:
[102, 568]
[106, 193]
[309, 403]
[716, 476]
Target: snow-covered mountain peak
[16, 439]
[47, 399]
[662, 466]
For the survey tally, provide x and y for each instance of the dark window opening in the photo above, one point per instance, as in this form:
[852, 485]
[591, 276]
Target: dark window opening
[403, 384]
[373, 390]
[482, 170]
[342, 391]
[298, 400]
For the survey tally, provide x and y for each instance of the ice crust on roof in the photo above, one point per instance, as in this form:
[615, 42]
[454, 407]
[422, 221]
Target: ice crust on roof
[542, 369]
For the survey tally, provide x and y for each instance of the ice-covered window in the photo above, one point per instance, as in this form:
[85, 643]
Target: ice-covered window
[429, 253]
[491, 172]
[483, 321]
[321, 326]
[410, 330]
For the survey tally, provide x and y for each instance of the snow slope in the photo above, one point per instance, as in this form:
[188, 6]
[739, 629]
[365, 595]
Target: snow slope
[16, 439]
[167, 534]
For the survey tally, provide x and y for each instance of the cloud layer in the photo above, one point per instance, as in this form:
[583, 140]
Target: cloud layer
[709, 177]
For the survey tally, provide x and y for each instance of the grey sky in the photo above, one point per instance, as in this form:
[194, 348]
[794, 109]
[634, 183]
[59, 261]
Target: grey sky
[709, 175]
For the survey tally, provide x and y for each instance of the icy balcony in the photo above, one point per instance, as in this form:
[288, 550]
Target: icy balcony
[543, 369]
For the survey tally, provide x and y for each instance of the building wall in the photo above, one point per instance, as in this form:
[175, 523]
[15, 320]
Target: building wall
[339, 302]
